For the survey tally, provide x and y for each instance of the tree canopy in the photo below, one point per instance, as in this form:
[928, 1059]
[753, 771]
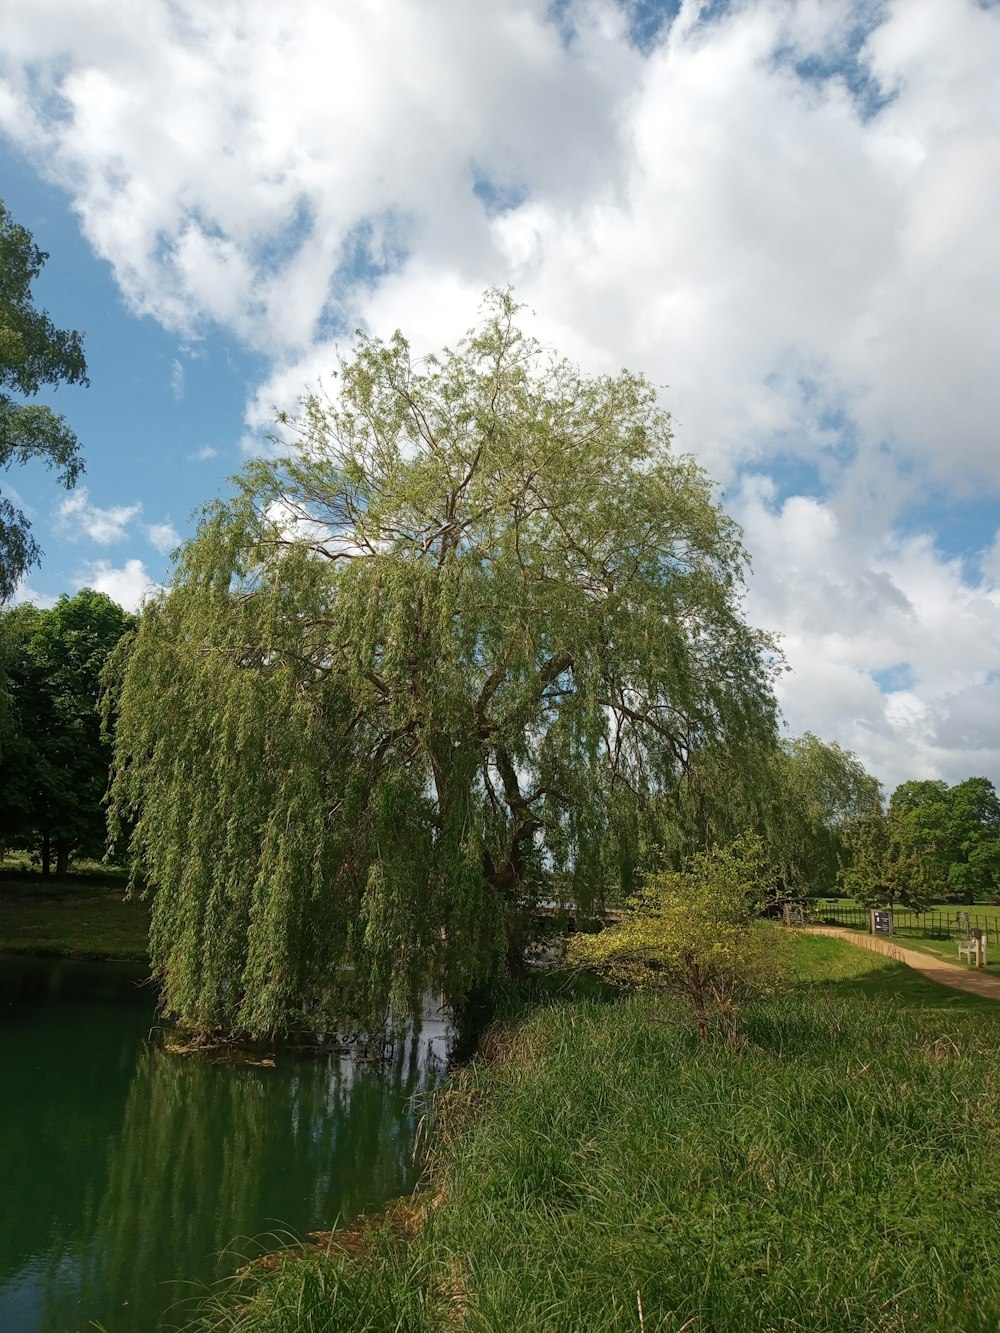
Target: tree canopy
[821, 789]
[956, 832]
[53, 760]
[882, 864]
[429, 667]
[934, 841]
[33, 353]
[798, 795]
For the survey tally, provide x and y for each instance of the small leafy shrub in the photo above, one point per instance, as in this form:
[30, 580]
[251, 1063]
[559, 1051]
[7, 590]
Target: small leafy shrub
[695, 933]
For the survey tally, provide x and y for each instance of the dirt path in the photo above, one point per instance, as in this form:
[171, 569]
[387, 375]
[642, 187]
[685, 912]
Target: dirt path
[934, 969]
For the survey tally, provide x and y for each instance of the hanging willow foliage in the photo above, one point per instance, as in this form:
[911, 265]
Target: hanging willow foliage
[432, 665]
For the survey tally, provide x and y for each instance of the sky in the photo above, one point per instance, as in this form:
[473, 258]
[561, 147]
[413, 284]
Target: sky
[784, 212]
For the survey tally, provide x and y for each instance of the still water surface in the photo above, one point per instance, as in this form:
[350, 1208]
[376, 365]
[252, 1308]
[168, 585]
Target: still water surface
[126, 1173]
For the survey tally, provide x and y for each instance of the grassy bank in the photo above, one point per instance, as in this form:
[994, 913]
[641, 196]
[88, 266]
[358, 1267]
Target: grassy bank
[81, 915]
[838, 1169]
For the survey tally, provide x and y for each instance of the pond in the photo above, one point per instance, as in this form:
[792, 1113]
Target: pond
[129, 1174]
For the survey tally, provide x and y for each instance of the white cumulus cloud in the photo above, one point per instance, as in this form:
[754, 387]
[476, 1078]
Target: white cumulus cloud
[24, 592]
[894, 650]
[784, 211]
[78, 517]
[129, 584]
[164, 536]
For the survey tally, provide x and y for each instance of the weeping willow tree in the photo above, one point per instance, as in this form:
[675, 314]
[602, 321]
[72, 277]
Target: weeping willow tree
[435, 663]
[801, 797]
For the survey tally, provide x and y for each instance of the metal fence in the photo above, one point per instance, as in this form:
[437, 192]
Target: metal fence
[937, 923]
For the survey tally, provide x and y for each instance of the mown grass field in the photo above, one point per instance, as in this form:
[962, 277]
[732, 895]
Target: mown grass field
[838, 1168]
[919, 930]
[81, 915]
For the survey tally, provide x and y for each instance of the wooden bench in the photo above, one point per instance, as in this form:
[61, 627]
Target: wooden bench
[974, 950]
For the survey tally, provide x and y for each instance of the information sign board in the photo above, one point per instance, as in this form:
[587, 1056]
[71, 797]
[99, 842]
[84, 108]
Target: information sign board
[882, 922]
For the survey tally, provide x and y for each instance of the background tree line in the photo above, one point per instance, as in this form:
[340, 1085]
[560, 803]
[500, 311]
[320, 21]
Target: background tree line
[54, 759]
[934, 843]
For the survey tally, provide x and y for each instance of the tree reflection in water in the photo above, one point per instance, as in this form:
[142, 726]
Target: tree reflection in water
[209, 1153]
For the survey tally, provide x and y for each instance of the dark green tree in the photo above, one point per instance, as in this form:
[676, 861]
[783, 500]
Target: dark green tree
[54, 761]
[422, 672]
[956, 831]
[33, 353]
[882, 865]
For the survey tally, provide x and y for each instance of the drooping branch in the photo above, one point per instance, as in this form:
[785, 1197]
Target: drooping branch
[366, 768]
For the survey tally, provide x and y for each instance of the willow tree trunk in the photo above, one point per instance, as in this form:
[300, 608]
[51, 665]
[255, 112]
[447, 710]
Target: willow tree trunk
[517, 968]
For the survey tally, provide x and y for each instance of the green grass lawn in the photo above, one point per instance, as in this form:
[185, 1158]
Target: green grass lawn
[836, 1169]
[833, 964]
[948, 950]
[83, 915]
[909, 935]
[936, 916]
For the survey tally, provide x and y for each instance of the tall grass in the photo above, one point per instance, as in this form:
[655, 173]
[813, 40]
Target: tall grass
[322, 1292]
[836, 1169]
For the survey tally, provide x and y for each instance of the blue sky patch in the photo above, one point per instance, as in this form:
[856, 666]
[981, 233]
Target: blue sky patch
[846, 63]
[162, 418]
[647, 20]
[962, 529]
[900, 676]
[497, 196]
